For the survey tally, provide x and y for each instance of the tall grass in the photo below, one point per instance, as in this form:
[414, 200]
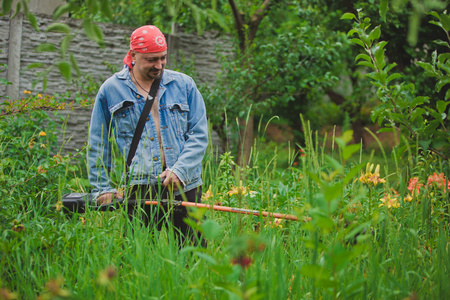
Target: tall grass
[344, 245]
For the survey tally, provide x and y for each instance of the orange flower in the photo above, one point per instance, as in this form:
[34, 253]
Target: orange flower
[440, 180]
[42, 133]
[58, 159]
[27, 92]
[31, 143]
[414, 185]
[41, 170]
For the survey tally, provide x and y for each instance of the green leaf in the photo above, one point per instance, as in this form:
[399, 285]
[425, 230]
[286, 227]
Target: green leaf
[383, 9]
[348, 16]
[441, 43]
[390, 67]
[417, 113]
[314, 271]
[92, 31]
[367, 64]
[378, 52]
[33, 21]
[363, 56]
[18, 9]
[211, 229]
[375, 33]
[223, 270]
[63, 9]
[443, 57]
[105, 8]
[392, 77]
[33, 66]
[92, 6]
[419, 100]
[65, 42]
[442, 82]
[65, 70]
[58, 27]
[332, 192]
[6, 6]
[413, 28]
[445, 21]
[357, 41]
[74, 64]
[352, 32]
[352, 173]
[426, 66]
[350, 150]
[206, 257]
[44, 83]
[46, 47]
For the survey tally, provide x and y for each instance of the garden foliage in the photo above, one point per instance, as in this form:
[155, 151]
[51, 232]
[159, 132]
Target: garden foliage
[364, 229]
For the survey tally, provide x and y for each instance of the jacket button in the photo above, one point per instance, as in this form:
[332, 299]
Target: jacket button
[155, 159]
[137, 96]
[151, 138]
[147, 119]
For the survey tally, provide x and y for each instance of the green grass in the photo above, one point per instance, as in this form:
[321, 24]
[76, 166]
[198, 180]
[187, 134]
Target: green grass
[345, 245]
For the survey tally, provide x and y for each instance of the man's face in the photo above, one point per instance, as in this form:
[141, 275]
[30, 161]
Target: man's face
[149, 65]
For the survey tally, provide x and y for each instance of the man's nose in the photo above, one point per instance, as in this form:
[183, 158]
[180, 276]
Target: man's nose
[159, 64]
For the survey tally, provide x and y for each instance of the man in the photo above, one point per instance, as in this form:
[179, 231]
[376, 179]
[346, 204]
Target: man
[175, 135]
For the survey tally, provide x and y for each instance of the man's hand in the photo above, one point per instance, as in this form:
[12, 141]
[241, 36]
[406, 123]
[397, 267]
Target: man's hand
[172, 181]
[107, 198]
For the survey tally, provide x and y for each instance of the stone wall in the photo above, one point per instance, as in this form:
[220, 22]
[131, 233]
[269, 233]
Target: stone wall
[94, 60]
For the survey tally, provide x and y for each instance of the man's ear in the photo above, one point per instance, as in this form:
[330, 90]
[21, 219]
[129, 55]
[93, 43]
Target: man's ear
[133, 55]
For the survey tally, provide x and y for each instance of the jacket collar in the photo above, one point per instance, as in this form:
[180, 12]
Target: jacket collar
[124, 74]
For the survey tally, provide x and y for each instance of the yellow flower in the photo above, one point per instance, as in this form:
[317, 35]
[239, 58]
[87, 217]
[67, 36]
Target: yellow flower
[39, 96]
[27, 92]
[389, 201]
[408, 198]
[276, 223]
[59, 205]
[42, 133]
[207, 195]
[242, 190]
[371, 178]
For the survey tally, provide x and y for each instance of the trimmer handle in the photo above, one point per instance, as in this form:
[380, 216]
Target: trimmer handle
[77, 202]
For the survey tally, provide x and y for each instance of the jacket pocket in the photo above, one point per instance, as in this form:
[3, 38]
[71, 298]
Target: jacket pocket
[123, 114]
[179, 115]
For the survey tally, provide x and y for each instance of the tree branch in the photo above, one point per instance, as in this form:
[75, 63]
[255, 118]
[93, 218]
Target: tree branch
[239, 24]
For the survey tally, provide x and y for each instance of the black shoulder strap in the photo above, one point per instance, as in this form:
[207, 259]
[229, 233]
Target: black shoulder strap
[142, 119]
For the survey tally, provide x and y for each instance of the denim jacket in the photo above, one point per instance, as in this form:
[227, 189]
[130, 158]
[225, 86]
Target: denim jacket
[183, 127]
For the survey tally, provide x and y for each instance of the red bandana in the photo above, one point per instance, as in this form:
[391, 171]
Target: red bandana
[145, 39]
